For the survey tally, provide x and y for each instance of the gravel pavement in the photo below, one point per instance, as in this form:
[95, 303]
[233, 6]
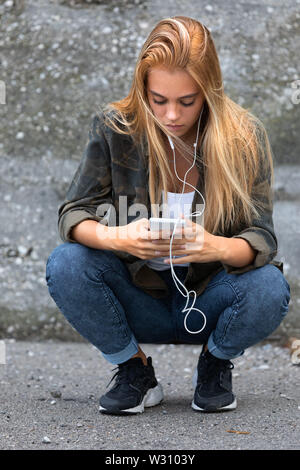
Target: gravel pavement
[49, 400]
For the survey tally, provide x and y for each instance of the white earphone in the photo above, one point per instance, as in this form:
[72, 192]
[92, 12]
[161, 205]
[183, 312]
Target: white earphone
[187, 293]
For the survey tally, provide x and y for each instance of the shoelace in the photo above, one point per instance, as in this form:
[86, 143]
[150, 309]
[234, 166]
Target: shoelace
[115, 375]
[213, 368]
[121, 375]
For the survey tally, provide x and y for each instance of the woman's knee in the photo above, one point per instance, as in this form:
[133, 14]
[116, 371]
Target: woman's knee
[263, 296]
[70, 260]
[279, 292]
[274, 285]
[267, 298]
[62, 258]
[266, 282]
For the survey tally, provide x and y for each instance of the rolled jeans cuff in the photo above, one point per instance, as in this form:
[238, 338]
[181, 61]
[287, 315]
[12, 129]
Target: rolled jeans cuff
[215, 351]
[125, 354]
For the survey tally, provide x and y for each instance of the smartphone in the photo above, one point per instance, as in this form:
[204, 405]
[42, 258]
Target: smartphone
[159, 223]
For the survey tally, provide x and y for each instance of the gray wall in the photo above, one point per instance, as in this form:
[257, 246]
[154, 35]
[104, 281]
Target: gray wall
[61, 60]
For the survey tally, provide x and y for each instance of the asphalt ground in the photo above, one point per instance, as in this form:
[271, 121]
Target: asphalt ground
[49, 395]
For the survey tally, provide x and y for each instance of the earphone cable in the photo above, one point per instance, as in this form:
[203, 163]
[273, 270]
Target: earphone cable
[187, 294]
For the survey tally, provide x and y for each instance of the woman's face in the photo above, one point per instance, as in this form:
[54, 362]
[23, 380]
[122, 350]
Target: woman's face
[175, 99]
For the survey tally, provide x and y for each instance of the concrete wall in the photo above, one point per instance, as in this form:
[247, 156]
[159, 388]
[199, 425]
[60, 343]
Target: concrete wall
[61, 60]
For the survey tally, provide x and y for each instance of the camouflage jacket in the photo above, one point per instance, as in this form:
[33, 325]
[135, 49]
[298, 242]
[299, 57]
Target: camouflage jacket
[112, 166]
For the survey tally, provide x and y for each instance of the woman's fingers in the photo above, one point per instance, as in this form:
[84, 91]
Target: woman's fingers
[153, 250]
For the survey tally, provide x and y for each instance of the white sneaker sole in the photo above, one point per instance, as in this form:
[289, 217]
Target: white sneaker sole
[231, 406]
[153, 397]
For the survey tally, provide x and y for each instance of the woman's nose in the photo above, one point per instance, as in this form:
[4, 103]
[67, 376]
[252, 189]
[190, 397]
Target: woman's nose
[172, 113]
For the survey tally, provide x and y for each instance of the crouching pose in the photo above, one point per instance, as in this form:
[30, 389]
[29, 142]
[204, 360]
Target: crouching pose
[114, 281]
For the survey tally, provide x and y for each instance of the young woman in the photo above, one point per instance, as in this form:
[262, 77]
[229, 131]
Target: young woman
[113, 280]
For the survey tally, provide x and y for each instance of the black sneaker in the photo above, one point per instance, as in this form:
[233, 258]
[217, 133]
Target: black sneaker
[214, 384]
[135, 388]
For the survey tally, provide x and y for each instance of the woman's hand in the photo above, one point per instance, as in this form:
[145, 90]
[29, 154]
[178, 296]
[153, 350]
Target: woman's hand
[191, 244]
[203, 247]
[199, 245]
[137, 239]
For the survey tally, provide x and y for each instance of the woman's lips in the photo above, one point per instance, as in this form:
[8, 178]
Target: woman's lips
[174, 128]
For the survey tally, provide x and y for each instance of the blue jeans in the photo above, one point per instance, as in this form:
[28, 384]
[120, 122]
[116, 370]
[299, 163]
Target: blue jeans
[94, 291]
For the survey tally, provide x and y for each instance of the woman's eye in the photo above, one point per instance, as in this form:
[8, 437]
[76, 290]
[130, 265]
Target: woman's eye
[164, 102]
[188, 104]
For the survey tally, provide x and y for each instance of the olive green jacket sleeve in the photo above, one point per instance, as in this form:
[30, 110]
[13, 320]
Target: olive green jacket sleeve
[91, 184]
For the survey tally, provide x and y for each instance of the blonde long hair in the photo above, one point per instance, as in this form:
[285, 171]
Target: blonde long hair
[236, 150]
